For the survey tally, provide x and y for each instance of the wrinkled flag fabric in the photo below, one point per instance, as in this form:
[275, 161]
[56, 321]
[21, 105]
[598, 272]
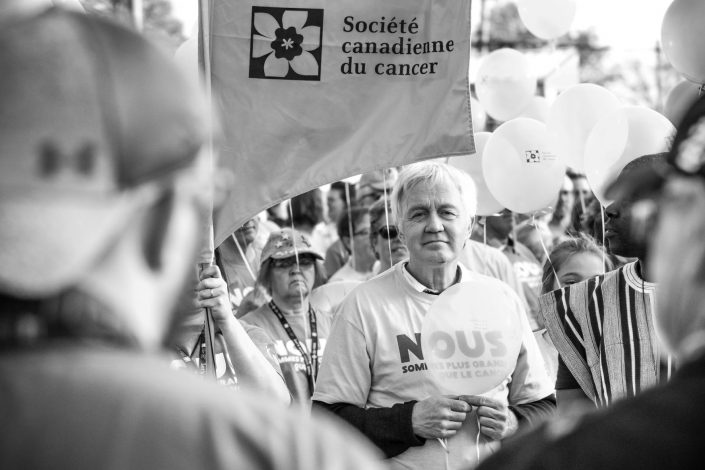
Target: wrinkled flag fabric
[314, 91]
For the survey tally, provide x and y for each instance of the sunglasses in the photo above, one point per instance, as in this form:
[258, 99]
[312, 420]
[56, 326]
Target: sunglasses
[304, 261]
[388, 232]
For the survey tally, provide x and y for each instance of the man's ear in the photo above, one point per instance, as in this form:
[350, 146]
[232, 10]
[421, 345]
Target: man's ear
[156, 223]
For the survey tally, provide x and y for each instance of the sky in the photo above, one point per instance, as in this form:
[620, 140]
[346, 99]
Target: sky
[620, 24]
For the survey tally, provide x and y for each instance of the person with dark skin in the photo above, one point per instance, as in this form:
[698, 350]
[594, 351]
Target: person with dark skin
[573, 313]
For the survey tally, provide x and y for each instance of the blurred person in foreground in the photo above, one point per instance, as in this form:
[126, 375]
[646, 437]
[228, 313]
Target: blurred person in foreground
[103, 179]
[603, 327]
[662, 427]
[376, 338]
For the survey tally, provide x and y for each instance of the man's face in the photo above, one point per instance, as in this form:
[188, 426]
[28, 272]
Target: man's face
[434, 223]
[290, 280]
[336, 204]
[387, 245]
[501, 225]
[621, 238]
[246, 234]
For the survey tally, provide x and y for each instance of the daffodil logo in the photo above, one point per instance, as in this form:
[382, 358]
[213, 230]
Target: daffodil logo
[286, 43]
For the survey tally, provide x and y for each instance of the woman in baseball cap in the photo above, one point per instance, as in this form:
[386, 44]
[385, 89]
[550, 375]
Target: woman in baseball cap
[289, 268]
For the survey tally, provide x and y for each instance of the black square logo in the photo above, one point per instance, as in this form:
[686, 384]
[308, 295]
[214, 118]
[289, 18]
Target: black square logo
[533, 156]
[285, 43]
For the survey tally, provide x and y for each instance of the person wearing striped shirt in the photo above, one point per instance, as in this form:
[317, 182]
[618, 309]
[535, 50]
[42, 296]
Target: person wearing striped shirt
[603, 328]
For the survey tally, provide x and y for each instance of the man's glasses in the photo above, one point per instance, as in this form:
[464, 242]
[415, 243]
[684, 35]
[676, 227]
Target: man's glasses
[305, 261]
[388, 232]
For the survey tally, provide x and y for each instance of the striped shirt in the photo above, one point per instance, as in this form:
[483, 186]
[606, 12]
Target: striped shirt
[604, 331]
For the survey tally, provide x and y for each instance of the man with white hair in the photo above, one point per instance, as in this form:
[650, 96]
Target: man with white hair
[102, 188]
[374, 375]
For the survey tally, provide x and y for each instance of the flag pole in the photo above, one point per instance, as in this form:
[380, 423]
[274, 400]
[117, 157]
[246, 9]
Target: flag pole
[206, 255]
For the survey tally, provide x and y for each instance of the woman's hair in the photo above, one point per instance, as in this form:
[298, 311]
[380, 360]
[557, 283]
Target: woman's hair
[307, 208]
[579, 243]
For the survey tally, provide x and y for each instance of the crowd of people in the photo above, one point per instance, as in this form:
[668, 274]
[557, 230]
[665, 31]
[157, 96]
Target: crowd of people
[315, 341]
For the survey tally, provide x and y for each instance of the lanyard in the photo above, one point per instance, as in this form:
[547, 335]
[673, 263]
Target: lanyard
[312, 363]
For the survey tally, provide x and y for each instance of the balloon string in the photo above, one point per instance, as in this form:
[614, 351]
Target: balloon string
[545, 250]
[386, 214]
[444, 443]
[298, 268]
[484, 232]
[350, 227]
[604, 247]
[477, 437]
[244, 258]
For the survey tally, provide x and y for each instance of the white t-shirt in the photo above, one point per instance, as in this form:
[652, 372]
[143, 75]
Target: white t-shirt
[374, 359]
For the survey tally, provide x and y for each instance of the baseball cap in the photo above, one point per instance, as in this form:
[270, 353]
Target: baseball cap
[373, 182]
[686, 157]
[91, 116]
[286, 243]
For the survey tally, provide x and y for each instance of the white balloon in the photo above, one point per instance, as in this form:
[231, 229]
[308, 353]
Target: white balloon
[538, 109]
[472, 164]
[470, 351]
[520, 169]
[573, 115]
[679, 99]
[505, 83]
[620, 137]
[682, 39]
[547, 19]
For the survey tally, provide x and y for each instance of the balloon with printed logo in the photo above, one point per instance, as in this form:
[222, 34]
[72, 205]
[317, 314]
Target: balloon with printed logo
[617, 139]
[682, 40]
[471, 336]
[679, 99]
[521, 170]
[573, 115]
[505, 83]
[547, 19]
[479, 118]
[472, 164]
[537, 109]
